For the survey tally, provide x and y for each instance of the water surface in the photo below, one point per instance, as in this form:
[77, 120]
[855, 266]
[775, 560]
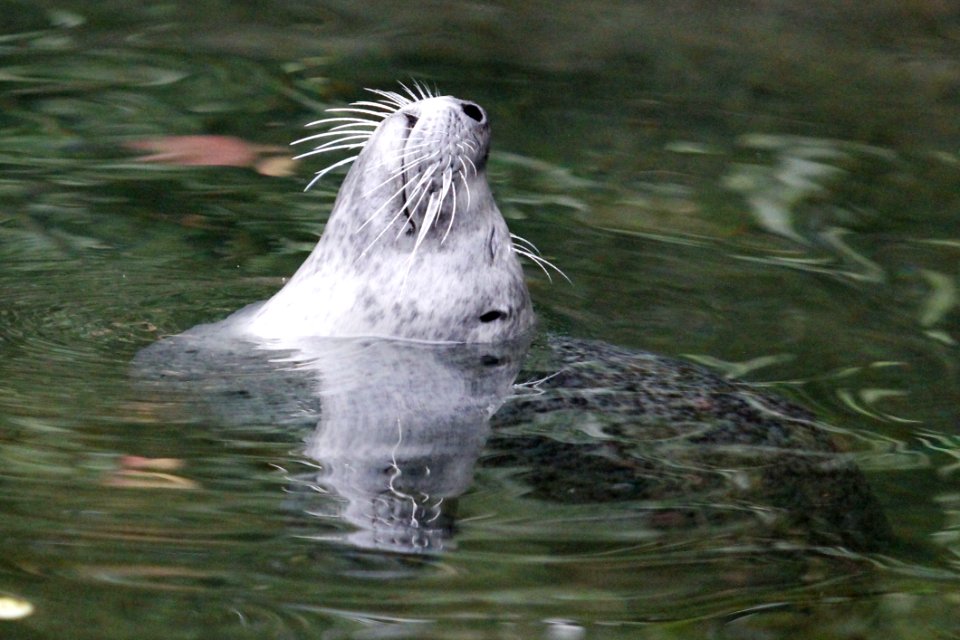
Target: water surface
[772, 193]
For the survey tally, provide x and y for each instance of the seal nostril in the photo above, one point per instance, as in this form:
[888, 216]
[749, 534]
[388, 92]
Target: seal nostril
[411, 120]
[473, 111]
[490, 316]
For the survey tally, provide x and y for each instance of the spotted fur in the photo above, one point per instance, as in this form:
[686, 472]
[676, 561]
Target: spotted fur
[415, 247]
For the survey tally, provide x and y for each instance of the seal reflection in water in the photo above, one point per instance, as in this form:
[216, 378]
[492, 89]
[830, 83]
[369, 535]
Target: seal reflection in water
[402, 335]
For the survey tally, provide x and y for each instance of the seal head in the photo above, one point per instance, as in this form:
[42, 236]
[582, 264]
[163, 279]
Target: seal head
[415, 247]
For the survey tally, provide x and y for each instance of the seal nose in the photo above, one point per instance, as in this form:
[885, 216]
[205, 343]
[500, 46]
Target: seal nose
[474, 112]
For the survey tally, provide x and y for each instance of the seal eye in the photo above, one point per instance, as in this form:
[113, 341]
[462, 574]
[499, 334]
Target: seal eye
[473, 111]
[490, 316]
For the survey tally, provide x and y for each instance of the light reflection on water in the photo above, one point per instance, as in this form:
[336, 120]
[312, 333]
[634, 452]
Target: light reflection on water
[769, 246]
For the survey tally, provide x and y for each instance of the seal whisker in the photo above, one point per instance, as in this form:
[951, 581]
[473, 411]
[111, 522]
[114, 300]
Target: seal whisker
[415, 149]
[463, 154]
[433, 207]
[379, 115]
[415, 154]
[555, 268]
[453, 211]
[398, 172]
[430, 93]
[423, 94]
[410, 93]
[386, 228]
[329, 149]
[445, 186]
[419, 192]
[418, 188]
[421, 145]
[430, 216]
[334, 145]
[380, 235]
[418, 161]
[426, 92]
[390, 178]
[355, 127]
[541, 262]
[466, 185]
[324, 172]
[374, 215]
[361, 123]
[526, 243]
[357, 121]
[535, 260]
[375, 114]
[405, 205]
[388, 100]
[400, 158]
[475, 172]
[343, 137]
[392, 97]
[395, 194]
[389, 108]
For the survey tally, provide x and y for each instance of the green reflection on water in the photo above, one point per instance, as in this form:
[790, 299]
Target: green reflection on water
[774, 193]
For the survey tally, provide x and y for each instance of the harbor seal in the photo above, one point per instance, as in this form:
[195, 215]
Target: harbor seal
[416, 251]
[415, 247]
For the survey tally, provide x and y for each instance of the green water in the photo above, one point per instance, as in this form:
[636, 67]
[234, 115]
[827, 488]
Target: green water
[768, 188]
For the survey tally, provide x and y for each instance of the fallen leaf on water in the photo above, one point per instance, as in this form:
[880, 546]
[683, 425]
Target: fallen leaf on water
[130, 479]
[139, 472]
[275, 166]
[155, 464]
[214, 151]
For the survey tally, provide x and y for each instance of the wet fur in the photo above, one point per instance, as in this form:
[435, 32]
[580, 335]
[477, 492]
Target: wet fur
[415, 247]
